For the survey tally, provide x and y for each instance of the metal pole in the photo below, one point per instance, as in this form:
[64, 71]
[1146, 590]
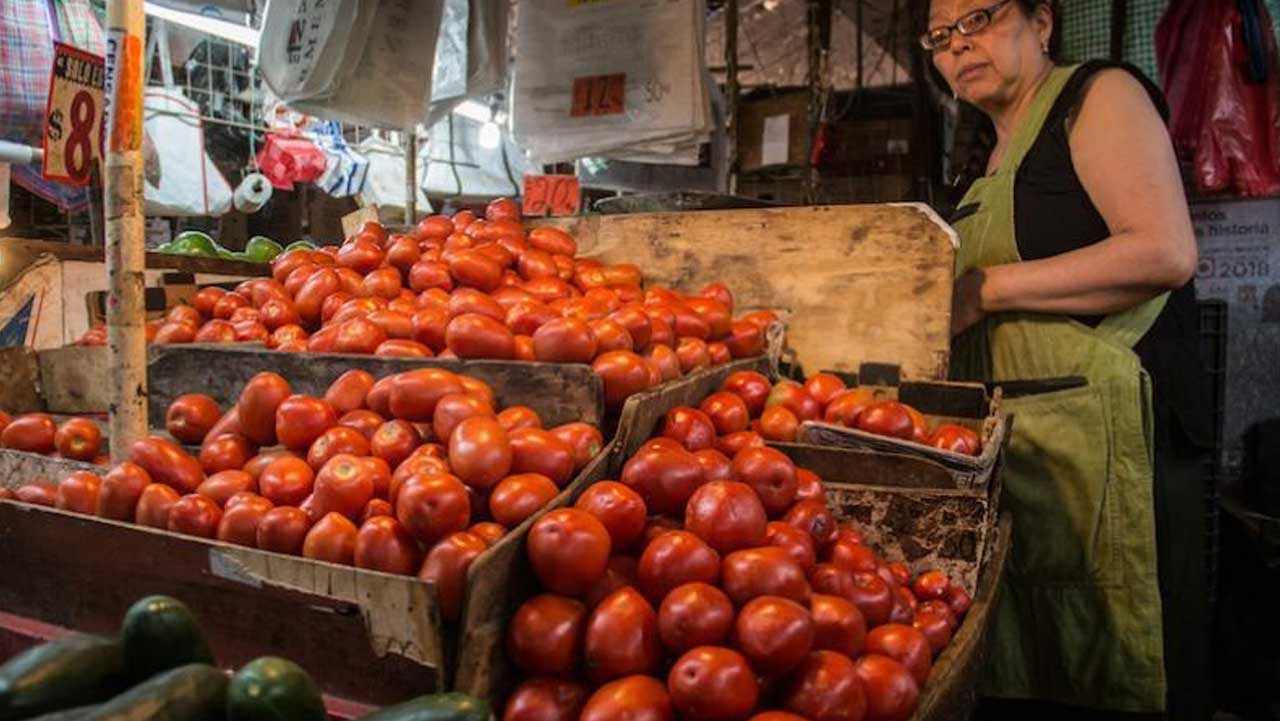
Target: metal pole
[410, 177]
[731, 88]
[123, 210]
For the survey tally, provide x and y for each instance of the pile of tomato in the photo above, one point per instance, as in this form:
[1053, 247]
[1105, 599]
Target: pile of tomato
[78, 439]
[415, 473]
[774, 412]
[712, 582]
[468, 287]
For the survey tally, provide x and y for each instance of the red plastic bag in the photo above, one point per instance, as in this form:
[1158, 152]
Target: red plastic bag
[288, 158]
[1218, 113]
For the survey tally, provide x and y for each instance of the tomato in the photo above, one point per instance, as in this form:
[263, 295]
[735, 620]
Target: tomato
[689, 427]
[251, 332]
[379, 507]
[634, 698]
[78, 492]
[564, 340]
[514, 417]
[734, 443]
[632, 319]
[286, 334]
[228, 304]
[779, 424]
[545, 634]
[931, 585]
[401, 348]
[222, 485]
[426, 274]
[936, 626]
[446, 567]
[434, 227]
[374, 230]
[694, 614]
[745, 339]
[477, 388]
[621, 637]
[339, 439]
[611, 335]
[777, 716]
[958, 599]
[358, 335]
[472, 335]
[414, 394]
[432, 506]
[519, 496]
[727, 412]
[765, 571]
[257, 405]
[534, 450]
[195, 515]
[873, 597]
[775, 633]
[343, 485]
[825, 687]
[892, 692]
[361, 255]
[526, 317]
[886, 418]
[394, 441]
[569, 550]
[480, 451]
[888, 574]
[473, 268]
[713, 683]
[809, 486]
[693, 354]
[396, 325]
[43, 493]
[955, 438]
[919, 425]
[814, 518]
[78, 439]
[283, 530]
[715, 465]
[488, 531]
[852, 556]
[793, 397]
[259, 462]
[549, 289]
[332, 539]
[205, 299]
[661, 358]
[244, 313]
[166, 463]
[771, 474]
[752, 387]
[624, 374]
[553, 240]
[585, 440]
[216, 331]
[121, 487]
[277, 313]
[300, 420]
[310, 297]
[794, 541]
[727, 515]
[364, 422]
[30, 432]
[675, 558]
[454, 408]
[545, 698]
[403, 252]
[832, 580]
[620, 509]
[664, 477]
[240, 521]
[286, 481]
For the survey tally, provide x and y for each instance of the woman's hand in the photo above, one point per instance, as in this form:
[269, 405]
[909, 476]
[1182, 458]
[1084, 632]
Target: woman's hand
[966, 301]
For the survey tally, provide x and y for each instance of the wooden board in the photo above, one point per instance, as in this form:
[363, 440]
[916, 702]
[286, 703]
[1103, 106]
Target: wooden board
[18, 467]
[372, 637]
[863, 283]
[20, 381]
[559, 392]
[74, 379]
[168, 261]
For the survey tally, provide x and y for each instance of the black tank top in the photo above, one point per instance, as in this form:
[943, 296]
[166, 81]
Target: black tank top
[1053, 214]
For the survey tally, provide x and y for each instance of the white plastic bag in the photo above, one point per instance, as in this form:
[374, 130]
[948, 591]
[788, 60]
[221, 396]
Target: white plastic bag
[359, 61]
[471, 55]
[384, 184]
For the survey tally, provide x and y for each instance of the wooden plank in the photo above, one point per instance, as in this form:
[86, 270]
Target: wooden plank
[559, 392]
[20, 381]
[18, 467]
[74, 379]
[368, 636]
[184, 263]
[863, 283]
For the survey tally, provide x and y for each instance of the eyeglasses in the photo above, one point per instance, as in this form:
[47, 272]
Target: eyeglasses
[939, 38]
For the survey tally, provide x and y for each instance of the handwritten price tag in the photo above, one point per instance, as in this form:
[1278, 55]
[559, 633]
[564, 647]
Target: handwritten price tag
[599, 95]
[554, 194]
[73, 117]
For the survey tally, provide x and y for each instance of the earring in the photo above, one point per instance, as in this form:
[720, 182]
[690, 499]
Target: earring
[1044, 48]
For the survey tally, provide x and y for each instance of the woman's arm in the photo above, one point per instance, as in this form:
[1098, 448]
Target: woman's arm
[1125, 161]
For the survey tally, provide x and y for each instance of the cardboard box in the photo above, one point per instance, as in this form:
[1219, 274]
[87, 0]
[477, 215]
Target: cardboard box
[773, 131]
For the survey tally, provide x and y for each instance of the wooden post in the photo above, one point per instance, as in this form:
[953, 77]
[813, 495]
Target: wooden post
[410, 178]
[731, 88]
[123, 210]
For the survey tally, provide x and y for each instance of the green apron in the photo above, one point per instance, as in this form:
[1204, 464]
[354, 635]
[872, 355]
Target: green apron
[1079, 619]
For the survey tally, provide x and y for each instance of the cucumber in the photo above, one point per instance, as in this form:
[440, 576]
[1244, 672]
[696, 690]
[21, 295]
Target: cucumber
[436, 707]
[62, 674]
[274, 689]
[161, 633]
[195, 692]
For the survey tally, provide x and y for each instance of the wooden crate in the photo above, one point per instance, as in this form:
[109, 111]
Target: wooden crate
[865, 283]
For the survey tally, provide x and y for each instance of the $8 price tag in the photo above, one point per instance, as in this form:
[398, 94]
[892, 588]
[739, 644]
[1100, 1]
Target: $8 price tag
[73, 117]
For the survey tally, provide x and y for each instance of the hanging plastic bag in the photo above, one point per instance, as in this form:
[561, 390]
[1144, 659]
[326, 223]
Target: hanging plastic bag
[189, 184]
[289, 157]
[345, 169]
[384, 186]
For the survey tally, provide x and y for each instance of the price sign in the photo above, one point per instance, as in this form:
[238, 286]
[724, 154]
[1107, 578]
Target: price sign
[554, 194]
[73, 117]
[599, 95]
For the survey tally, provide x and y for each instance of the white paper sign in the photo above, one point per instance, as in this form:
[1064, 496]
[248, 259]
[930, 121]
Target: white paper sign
[775, 140]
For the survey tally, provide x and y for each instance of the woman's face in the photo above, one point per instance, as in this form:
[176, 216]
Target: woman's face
[988, 67]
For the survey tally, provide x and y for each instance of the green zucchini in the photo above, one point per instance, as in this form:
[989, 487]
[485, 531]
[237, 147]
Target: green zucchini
[274, 689]
[161, 633]
[62, 674]
[195, 692]
[436, 707]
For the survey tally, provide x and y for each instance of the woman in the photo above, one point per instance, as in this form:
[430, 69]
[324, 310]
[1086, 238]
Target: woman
[1074, 272]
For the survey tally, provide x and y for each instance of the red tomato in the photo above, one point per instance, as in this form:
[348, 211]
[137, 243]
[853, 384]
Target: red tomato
[931, 585]
[633, 320]
[825, 687]
[693, 354]
[394, 441]
[240, 520]
[526, 317]
[752, 387]
[664, 477]
[892, 693]
[713, 683]
[488, 532]
[621, 637]
[635, 698]
[774, 633]
[190, 417]
[78, 439]
[611, 336]
[475, 269]
[432, 506]
[958, 600]
[258, 463]
[364, 422]
[332, 539]
[675, 558]
[838, 625]
[777, 716]
[216, 331]
[689, 427]
[454, 408]
[222, 485]
[765, 571]
[475, 387]
[620, 509]
[814, 518]
[300, 420]
[480, 451]
[624, 374]
[414, 394]
[586, 441]
[956, 438]
[734, 443]
[545, 698]
[361, 255]
[435, 227]
[534, 450]
[228, 304]
[936, 627]
[620, 573]
[120, 490]
[344, 485]
[745, 339]
[339, 439]
[777, 423]
[374, 230]
[205, 299]
[244, 313]
[165, 461]
[851, 555]
[727, 515]
[831, 580]
[195, 515]
[771, 474]
[727, 412]
[569, 550]
[873, 596]
[919, 425]
[286, 481]
[42, 493]
[796, 542]
[358, 335]
[518, 497]
[394, 324]
[277, 313]
[514, 417]
[661, 358]
[257, 405]
[283, 530]
[30, 432]
[694, 614]
[886, 418]
[402, 253]
[78, 492]
[553, 240]
[154, 505]
[793, 397]
[715, 465]
[564, 340]
[809, 486]
[472, 335]
[545, 635]
[446, 567]
[426, 274]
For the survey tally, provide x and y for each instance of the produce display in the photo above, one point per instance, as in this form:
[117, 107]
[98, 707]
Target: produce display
[463, 287]
[416, 473]
[711, 581]
[774, 412]
[259, 249]
[78, 439]
[159, 667]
